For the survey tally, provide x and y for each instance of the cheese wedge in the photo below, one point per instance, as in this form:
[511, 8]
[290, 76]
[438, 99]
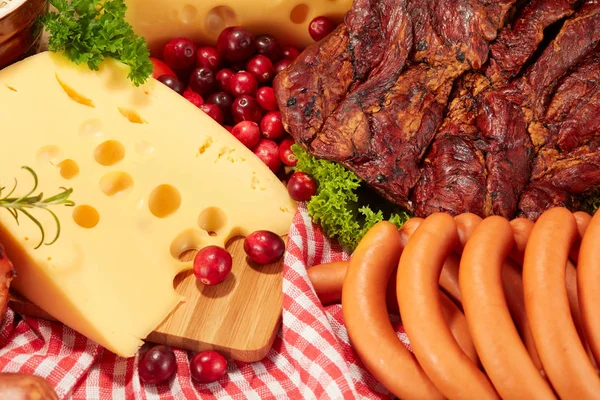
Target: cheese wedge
[203, 20]
[152, 176]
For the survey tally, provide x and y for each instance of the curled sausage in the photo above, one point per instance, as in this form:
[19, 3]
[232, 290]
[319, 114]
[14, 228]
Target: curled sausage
[327, 280]
[366, 317]
[588, 278]
[522, 228]
[7, 274]
[561, 351]
[409, 228]
[454, 374]
[583, 220]
[457, 323]
[496, 339]
[466, 224]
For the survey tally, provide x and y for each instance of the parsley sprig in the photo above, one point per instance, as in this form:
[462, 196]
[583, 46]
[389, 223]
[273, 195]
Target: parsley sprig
[29, 201]
[88, 31]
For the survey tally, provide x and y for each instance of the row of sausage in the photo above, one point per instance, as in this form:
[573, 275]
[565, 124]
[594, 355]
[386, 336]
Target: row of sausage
[492, 308]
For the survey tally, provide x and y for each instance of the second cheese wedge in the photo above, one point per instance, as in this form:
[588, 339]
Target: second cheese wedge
[152, 177]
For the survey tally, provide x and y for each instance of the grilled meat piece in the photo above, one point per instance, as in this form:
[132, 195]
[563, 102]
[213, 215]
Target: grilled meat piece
[7, 274]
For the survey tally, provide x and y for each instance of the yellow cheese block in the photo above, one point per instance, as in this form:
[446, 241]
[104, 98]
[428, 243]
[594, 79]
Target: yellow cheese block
[152, 177]
[202, 20]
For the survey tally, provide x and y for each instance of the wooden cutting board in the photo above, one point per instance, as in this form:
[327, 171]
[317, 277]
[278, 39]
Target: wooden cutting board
[239, 317]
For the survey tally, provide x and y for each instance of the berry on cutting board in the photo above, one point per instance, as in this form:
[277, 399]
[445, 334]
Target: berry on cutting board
[247, 132]
[286, 155]
[212, 265]
[262, 68]
[246, 108]
[157, 365]
[267, 46]
[266, 98]
[172, 82]
[208, 366]
[271, 126]
[208, 57]
[301, 186]
[213, 111]
[160, 68]
[179, 53]
[243, 83]
[268, 151]
[236, 44]
[193, 97]
[203, 81]
[264, 247]
[320, 27]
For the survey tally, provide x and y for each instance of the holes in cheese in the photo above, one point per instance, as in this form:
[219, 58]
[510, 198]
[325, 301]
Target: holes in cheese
[299, 14]
[116, 182]
[189, 13]
[74, 94]
[164, 201]
[190, 239]
[86, 216]
[212, 220]
[91, 128]
[109, 153]
[69, 169]
[48, 155]
[132, 116]
[219, 18]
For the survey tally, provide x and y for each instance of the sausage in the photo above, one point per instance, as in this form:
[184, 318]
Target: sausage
[522, 228]
[457, 323]
[466, 224]
[588, 276]
[409, 228]
[513, 289]
[449, 278]
[327, 280]
[7, 274]
[454, 374]
[14, 386]
[496, 339]
[583, 220]
[366, 317]
[561, 351]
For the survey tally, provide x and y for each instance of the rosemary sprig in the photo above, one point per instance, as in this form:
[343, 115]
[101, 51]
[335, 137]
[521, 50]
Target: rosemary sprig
[22, 204]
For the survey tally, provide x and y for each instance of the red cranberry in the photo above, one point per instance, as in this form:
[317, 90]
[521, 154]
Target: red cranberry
[213, 111]
[209, 57]
[179, 53]
[224, 78]
[160, 68]
[247, 132]
[229, 128]
[172, 82]
[243, 83]
[222, 100]
[286, 155]
[208, 366]
[301, 186]
[268, 151]
[203, 81]
[212, 265]
[157, 365]
[246, 108]
[320, 27]
[282, 65]
[193, 97]
[290, 53]
[236, 44]
[271, 126]
[262, 68]
[264, 247]
[266, 98]
[238, 66]
[267, 46]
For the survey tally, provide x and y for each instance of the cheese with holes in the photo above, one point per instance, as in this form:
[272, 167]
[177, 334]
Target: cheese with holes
[152, 177]
[202, 20]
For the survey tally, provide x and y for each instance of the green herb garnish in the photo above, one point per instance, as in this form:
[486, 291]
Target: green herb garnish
[88, 31]
[14, 205]
[343, 206]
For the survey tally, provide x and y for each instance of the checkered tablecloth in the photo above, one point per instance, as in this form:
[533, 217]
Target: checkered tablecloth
[310, 359]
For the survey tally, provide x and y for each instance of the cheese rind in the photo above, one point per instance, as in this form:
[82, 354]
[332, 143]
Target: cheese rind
[152, 177]
[202, 20]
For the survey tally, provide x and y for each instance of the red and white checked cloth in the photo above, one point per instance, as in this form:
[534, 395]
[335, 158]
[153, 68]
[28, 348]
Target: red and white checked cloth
[311, 357]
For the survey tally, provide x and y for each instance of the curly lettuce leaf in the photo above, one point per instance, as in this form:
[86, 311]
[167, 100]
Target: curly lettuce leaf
[343, 207]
